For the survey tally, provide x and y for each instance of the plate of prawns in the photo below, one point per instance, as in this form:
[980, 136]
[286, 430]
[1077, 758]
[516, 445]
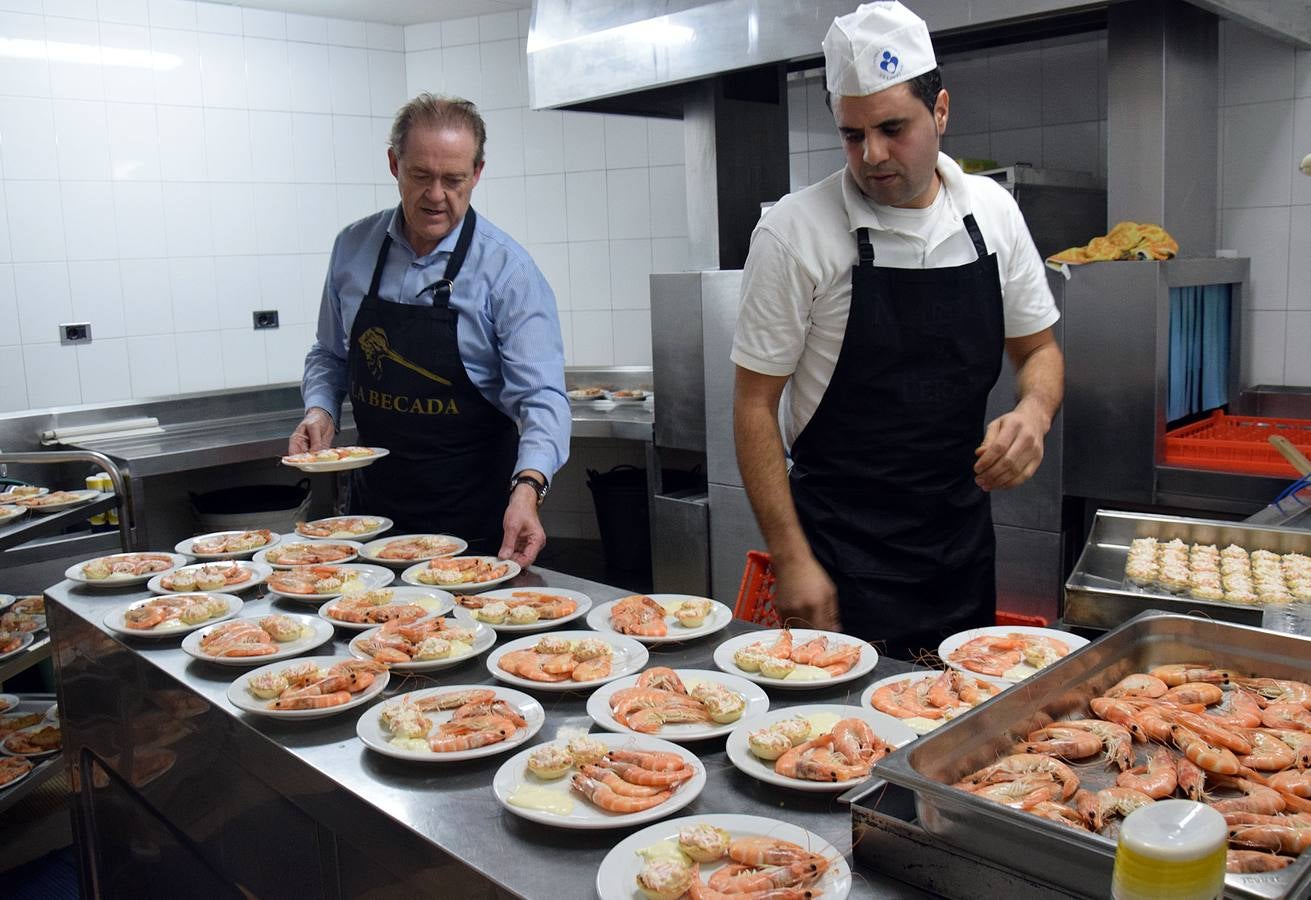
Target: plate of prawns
[451, 723]
[634, 779]
[308, 688]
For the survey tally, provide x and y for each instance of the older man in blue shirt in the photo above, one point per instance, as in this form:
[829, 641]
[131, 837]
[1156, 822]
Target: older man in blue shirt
[445, 335]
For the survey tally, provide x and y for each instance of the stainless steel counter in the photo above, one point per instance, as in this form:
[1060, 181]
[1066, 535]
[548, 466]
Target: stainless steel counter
[195, 445]
[343, 820]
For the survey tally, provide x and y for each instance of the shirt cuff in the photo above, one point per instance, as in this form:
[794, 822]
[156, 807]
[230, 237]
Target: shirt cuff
[1046, 320]
[327, 402]
[535, 460]
[761, 366]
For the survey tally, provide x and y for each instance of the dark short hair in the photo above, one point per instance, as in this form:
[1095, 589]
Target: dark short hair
[432, 111]
[926, 87]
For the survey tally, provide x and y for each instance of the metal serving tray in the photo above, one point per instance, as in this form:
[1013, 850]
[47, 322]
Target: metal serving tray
[1097, 595]
[1080, 862]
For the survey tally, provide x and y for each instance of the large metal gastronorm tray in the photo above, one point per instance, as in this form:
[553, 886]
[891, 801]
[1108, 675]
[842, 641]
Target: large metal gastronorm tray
[1079, 861]
[1097, 595]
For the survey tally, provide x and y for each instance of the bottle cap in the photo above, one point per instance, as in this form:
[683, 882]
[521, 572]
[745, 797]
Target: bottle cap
[1175, 849]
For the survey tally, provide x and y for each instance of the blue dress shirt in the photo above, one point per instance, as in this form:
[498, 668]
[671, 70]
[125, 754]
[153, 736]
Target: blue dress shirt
[508, 330]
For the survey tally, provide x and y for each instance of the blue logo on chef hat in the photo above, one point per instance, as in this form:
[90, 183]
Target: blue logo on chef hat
[889, 63]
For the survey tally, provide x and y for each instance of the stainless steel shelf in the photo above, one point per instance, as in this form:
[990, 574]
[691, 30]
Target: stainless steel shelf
[15, 537]
[32, 654]
[43, 770]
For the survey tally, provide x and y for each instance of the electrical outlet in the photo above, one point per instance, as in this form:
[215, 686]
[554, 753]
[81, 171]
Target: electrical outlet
[75, 333]
[265, 318]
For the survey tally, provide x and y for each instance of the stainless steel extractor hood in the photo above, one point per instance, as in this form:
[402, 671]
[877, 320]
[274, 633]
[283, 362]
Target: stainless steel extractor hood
[585, 50]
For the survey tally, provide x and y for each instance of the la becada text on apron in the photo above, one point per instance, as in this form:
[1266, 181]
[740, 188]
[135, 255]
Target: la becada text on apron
[882, 474]
[452, 451]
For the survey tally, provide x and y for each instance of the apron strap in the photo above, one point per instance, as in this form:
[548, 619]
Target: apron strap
[865, 247]
[379, 266]
[441, 288]
[975, 235]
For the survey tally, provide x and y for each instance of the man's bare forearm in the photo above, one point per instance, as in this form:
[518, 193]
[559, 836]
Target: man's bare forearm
[1040, 381]
[761, 460]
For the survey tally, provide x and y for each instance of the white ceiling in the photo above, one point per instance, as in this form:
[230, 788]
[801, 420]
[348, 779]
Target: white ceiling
[393, 12]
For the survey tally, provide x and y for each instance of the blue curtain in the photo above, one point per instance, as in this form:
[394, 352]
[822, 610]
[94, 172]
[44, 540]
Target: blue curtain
[1199, 349]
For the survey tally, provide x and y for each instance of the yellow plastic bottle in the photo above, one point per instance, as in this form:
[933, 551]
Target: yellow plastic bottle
[1171, 850]
[93, 484]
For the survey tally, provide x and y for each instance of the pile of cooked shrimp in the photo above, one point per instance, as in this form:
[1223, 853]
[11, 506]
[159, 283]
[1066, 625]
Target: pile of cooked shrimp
[1241, 744]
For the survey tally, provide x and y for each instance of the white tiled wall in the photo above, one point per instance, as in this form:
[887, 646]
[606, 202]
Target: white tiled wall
[1042, 102]
[1265, 203]
[166, 167]
[600, 201]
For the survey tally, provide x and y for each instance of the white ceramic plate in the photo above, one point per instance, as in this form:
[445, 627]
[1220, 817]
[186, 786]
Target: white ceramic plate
[483, 638]
[580, 395]
[584, 604]
[888, 729]
[918, 724]
[74, 572]
[317, 633]
[616, 878]
[384, 524]
[613, 397]
[8, 514]
[24, 641]
[585, 814]
[338, 465]
[869, 658]
[716, 620]
[240, 697]
[628, 658]
[189, 544]
[6, 601]
[8, 702]
[438, 603]
[1020, 672]
[598, 706]
[115, 621]
[9, 496]
[83, 496]
[18, 779]
[371, 550]
[410, 576]
[255, 573]
[370, 577]
[295, 541]
[369, 728]
[4, 745]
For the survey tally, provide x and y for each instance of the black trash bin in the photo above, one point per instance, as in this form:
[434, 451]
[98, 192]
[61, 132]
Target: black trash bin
[622, 516]
[277, 507]
[623, 512]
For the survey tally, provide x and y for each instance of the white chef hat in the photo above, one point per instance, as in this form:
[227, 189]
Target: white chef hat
[875, 47]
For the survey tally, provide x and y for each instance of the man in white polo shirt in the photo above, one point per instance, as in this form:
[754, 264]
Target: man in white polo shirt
[875, 308]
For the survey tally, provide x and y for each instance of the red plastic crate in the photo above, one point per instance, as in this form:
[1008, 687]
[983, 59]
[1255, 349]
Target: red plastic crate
[755, 596]
[1237, 444]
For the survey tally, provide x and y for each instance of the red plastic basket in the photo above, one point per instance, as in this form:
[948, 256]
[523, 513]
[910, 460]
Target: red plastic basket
[1236, 444]
[1010, 618]
[755, 597]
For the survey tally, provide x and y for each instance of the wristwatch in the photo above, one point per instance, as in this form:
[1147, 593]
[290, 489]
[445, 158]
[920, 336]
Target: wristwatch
[540, 487]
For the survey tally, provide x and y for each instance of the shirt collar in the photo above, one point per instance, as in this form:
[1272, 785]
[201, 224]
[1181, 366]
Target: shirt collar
[396, 228]
[860, 214]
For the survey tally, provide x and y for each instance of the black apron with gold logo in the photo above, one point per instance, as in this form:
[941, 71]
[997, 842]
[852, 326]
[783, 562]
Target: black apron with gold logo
[883, 475]
[452, 452]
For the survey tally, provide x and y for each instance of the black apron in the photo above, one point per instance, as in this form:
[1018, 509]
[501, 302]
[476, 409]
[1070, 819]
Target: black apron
[452, 452]
[883, 476]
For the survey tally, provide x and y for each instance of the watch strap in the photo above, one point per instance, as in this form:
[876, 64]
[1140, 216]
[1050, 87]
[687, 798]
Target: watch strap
[539, 487]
